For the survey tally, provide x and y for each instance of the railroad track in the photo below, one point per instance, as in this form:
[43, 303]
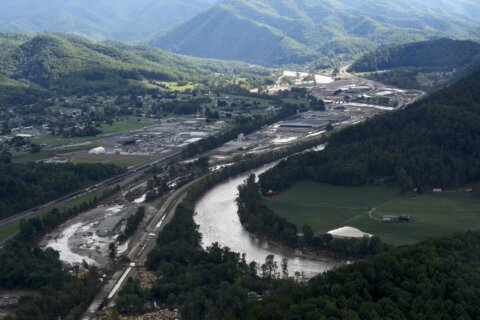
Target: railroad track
[39, 210]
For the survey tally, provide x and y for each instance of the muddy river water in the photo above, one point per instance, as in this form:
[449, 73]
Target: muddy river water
[218, 220]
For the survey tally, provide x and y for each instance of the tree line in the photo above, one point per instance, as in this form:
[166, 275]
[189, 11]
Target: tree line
[132, 225]
[435, 55]
[26, 185]
[260, 220]
[435, 279]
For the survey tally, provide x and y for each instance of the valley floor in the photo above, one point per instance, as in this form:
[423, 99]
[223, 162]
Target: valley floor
[325, 207]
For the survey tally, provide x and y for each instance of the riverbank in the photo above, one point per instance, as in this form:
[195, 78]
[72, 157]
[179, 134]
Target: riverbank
[218, 221]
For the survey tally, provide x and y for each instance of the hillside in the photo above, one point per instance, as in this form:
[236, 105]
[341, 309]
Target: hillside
[430, 144]
[71, 65]
[276, 32]
[426, 65]
[440, 54]
[128, 20]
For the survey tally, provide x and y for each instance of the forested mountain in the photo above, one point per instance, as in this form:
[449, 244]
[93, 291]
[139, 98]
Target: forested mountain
[31, 66]
[439, 54]
[275, 32]
[130, 20]
[426, 65]
[432, 143]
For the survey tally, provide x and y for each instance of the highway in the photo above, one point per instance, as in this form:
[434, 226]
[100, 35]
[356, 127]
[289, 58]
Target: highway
[145, 240]
[122, 180]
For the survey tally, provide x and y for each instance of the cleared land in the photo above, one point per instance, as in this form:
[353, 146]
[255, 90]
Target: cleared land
[325, 207]
[119, 160]
[11, 230]
[122, 125]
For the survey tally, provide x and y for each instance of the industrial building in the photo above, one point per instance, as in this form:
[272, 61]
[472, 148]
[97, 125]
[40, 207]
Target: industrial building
[307, 124]
[108, 225]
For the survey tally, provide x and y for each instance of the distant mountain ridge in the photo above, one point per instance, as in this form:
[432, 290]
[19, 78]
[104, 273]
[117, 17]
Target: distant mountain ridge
[125, 20]
[439, 54]
[276, 32]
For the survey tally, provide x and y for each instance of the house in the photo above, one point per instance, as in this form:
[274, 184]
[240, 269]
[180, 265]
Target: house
[398, 218]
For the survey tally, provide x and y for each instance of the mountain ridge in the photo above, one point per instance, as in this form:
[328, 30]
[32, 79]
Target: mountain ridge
[308, 30]
[127, 20]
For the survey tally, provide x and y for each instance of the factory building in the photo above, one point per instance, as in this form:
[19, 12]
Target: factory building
[307, 124]
[108, 225]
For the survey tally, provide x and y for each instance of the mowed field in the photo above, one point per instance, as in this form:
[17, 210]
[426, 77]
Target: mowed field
[325, 207]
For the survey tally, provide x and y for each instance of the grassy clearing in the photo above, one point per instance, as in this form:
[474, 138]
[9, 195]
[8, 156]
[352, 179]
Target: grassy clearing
[326, 207]
[9, 231]
[180, 87]
[436, 215]
[124, 125]
[56, 141]
[262, 102]
[25, 156]
[120, 160]
[82, 199]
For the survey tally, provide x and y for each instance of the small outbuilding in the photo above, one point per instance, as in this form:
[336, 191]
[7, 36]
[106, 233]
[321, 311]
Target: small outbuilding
[398, 218]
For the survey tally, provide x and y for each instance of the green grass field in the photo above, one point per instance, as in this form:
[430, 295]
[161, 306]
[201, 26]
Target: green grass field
[56, 141]
[25, 156]
[9, 231]
[175, 86]
[325, 207]
[119, 160]
[123, 125]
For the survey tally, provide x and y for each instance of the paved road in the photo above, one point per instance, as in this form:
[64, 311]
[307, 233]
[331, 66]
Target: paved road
[121, 180]
[139, 252]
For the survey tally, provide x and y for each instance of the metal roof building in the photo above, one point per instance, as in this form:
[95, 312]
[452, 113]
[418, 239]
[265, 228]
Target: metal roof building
[108, 225]
[305, 124]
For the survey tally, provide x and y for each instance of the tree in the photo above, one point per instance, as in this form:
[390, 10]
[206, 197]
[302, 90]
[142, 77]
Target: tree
[112, 247]
[284, 268]
[308, 234]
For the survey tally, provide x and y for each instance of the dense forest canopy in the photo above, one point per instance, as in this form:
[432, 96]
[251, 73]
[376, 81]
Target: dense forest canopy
[439, 54]
[435, 279]
[23, 186]
[432, 143]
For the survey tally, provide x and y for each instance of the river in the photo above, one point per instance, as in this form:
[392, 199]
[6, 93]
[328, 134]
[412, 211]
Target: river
[219, 222]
